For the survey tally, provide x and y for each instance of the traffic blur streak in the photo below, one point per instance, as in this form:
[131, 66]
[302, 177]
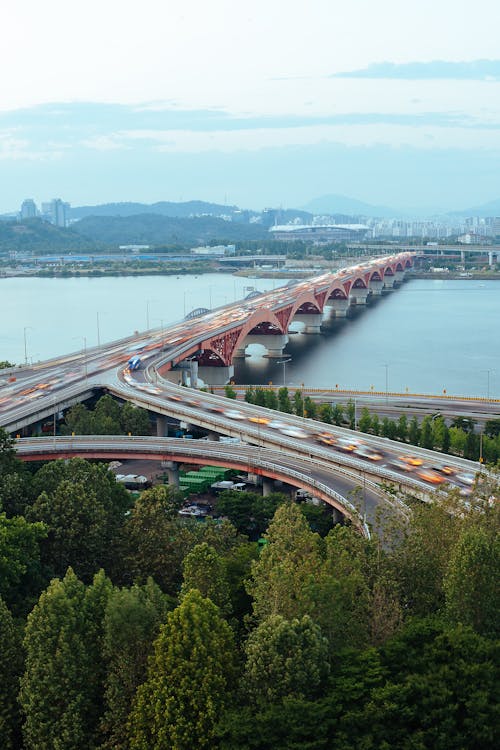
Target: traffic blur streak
[336, 440]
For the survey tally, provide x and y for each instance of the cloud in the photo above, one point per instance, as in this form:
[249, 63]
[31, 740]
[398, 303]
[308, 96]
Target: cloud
[472, 70]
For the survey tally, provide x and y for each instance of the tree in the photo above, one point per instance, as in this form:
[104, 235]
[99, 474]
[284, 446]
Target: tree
[250, 395]
[230, 392]
[402, 428]
[19, 556]
[326, 413]
[260, 397]
[204, 570]
[131, 624]
[351, 414]
[61, 689]
[298, 403]
[310, 408]
[471, 582]
[338, 414]
[8, 461]
[271, 399]
[375, 424]
[492, 428]
[457, 441]
[153, 541]
[285, 659]
[284, 404]
[283, 575]
[189, 682]
[426, 438]
[134, 420]
[414, 432]
[5, 364]
[11, 663]
[365, 421]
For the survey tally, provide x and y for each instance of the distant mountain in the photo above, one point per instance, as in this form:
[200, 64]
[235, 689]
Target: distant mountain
[35, 235]
[154, 229]
[341, 204]
[164, 208]
[492, 208]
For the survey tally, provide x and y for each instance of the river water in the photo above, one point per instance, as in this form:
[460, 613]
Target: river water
[427, 336]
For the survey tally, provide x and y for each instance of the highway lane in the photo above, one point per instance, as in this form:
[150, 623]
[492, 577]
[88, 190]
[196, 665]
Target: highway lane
[360, 502]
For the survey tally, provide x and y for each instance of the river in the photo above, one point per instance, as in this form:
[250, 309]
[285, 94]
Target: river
[427, 336]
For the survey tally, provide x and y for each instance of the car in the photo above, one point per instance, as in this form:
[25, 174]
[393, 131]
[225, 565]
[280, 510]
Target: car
[275, 424]
[466, 478]
[294, 432]
[259, 420]
[447, 470]
[429, 475]
[234, 414]
[411, 460]
[363, 451]
[347, 444]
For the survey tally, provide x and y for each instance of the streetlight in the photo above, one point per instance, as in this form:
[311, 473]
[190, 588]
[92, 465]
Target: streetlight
[284, 363]
[26, 328]
[84, 339]
[488, 381]
[98, 328]
[386, 382]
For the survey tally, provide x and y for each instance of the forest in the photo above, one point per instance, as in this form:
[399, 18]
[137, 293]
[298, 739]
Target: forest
[126, 625]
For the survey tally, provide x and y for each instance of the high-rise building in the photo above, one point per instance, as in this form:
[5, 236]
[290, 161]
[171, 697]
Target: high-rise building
[28, 209]
[56, 211]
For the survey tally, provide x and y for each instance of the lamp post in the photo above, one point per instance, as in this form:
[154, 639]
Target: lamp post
[84, 339]
[488, 381]
[284, 363]
[386, 382]
[26, 328]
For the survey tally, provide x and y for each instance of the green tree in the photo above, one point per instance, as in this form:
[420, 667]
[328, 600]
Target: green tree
[189, 682]
[414, 432]
[298, 403]
[271, 399]
[375, 424]
[471, 582]
[260, 397]
[11, 663]
[61, 689]
[457, 441]
[204, 570]
[365, 420]
[131, 624]
[426, 437]
[250, 395]
[284, 403]
[338, 414]
[402, 428]
[285, 659]
[471, 450]
[310, 408]
[351, 414]
[134, 420]
[19, 556]
[492, 428]
[5, 364]
[230, 392]
[326, 413]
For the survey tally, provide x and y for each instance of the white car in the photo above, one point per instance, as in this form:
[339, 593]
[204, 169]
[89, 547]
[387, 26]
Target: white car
[234, 414]
[294, 432]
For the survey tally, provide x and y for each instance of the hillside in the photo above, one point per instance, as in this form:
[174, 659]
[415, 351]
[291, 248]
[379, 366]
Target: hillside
[153, 229]
[163, 208]
[35, 235]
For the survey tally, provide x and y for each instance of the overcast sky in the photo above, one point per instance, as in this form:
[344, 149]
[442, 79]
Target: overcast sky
[271, 102]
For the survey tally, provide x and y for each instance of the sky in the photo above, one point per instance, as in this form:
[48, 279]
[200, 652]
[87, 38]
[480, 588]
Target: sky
[392, 102]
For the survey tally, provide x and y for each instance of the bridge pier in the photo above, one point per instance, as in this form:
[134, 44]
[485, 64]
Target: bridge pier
[213, 375]
[312, 321]
[389, 283]
[358, 296]
[172, 469]
[376, 286]
[339, 307]
[239, 353]
[161, 426]
[267, 486]
[399, 276]
[273, 342]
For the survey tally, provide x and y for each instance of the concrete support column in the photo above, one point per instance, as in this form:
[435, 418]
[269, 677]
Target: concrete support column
[267, 486]
[399, 276]
[172, 468]
[212, 375]
[312, 321]
[337, 516]
[161, 426]
[389, 283]
[462, 256]
[339, 307]
[376, 287]
[490, 258]
[274, 342]
[358, 296]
